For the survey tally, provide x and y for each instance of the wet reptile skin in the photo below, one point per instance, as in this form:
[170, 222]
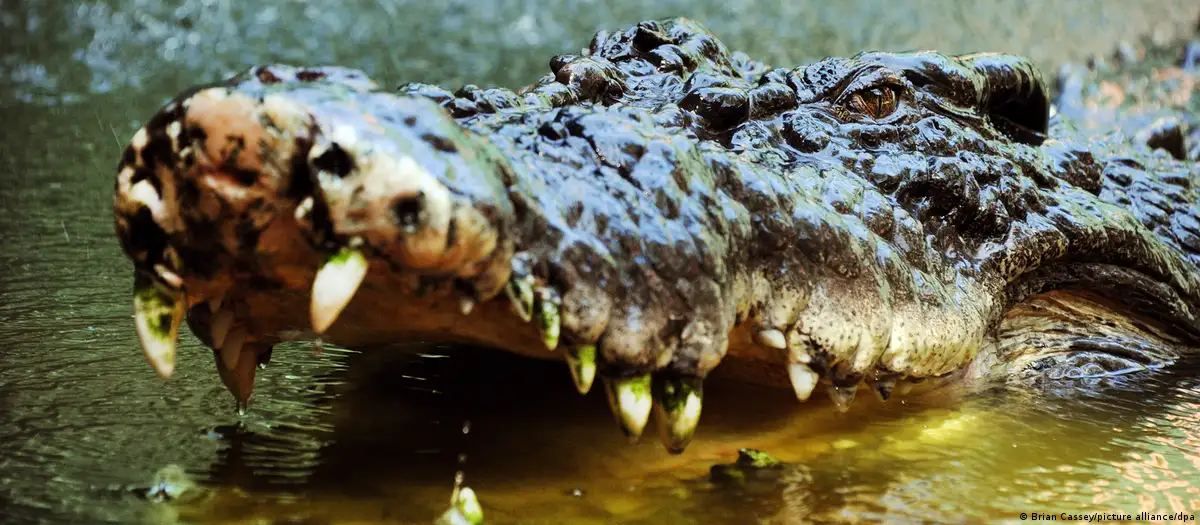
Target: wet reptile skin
[677, 202]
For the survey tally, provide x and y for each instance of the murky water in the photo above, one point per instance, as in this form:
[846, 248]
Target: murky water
[378, 438]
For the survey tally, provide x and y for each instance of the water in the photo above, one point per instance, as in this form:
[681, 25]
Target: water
[373, 438]
[538, 454]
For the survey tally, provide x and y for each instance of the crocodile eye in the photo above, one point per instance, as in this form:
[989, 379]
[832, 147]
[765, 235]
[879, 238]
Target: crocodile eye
[876, 102]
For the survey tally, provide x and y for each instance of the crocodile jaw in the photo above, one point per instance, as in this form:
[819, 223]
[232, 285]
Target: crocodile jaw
[290, 203]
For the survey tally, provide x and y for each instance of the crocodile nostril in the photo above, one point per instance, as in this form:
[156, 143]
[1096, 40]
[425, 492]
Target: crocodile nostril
[1167, 134]
[266, 76]
[334, 160]
[309, 75]
[408, 211]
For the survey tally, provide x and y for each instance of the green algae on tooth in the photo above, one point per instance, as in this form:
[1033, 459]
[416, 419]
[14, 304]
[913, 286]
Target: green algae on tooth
[549, 323]
[520, 292]
[631, 401]
[677, 406]
[335, 284]
[157, 315]
[581, 361]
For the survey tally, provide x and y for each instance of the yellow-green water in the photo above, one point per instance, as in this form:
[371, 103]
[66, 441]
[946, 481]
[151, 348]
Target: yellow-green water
[538, 453]
[376, 438]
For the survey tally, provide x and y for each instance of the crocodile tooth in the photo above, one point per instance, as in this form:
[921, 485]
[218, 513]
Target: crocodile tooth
[157, 315]
[884, 388]
[677, 404]
[335, 284]
[904, 387]
[304, 208]
[772, 338]
[220, 327]
[842, 396]
[171, 278]
[549, 323]
[630, 400]
[231, 351]
[466, 305]
[239, 380]
[520, 292]
[581, 361]
[804, 380]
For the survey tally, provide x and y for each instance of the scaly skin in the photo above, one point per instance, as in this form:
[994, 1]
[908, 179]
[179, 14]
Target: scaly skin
[658, 206]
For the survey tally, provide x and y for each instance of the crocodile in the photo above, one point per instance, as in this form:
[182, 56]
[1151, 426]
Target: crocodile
[657, 206]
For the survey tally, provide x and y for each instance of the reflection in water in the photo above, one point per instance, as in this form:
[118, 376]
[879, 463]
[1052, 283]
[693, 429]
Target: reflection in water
[377, 437]
[540, 454]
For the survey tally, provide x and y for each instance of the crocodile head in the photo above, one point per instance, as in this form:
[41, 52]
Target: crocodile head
[658, 206]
